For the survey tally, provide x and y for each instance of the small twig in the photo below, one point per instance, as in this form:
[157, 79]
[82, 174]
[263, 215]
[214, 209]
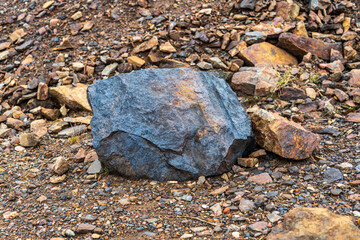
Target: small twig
[201, 220]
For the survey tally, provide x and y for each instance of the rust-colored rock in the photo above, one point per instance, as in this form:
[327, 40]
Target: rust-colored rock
[314, 223]
[145, 46]
[43, 91]
[61, 165]
[266, 54]
[286, 10]
[50, 114]
[354, 78]
[289, 93]
[247, 162]
[353, 117]
[255, 81]
[300, 46]
[261, 179]
[278, 135]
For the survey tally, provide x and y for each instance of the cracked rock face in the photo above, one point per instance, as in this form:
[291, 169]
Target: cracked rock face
[167, 124]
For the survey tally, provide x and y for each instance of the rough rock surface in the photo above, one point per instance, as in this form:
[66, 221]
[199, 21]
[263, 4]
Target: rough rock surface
[167, 124]
[300, 46]
[255, 81]
[314, 223]
[278, 135]
[28, 140]
[73, 97]
[266, 54]
[354, 77]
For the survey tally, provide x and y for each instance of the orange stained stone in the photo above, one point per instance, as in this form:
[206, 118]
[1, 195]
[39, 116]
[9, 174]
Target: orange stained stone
[266, 54]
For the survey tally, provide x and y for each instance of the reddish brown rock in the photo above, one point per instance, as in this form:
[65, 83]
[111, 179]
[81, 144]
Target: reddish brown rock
[4, 45]
[50, 114]
[85, 228]
[43, 91]
[353, 117]
[255, 81]
[91, 156]
[145, 46]
[300, 46]
[3, 118]
[268, 30]
[263, 178]
[289, 93]
[14, 123]
[355, 183]
[61, 165]
[259, 226]
[80, 155]
[355, 95]
[278, 135]
[38, 127]
[28, 140]
[287, 10]
[314, 223]
[171, 63]
[333, 67]
[266, 54]
[341, 95]
[354, 78]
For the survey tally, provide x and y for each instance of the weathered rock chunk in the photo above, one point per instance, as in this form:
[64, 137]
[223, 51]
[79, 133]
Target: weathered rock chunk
[314, 223]
[266, 54]
[300, 46]
[28, 140]
[280, 136]
[61, 165]
[354, 78]
[73, 97]
[167, 124]
[353, 117]
[289, 93]
[248, 4]
[255, 81]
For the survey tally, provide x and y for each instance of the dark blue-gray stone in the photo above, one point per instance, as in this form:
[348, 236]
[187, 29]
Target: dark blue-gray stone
[167, 124]
[332, 175]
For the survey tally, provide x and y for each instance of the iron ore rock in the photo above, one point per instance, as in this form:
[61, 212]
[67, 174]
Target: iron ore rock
[278, 135]
[167, 124]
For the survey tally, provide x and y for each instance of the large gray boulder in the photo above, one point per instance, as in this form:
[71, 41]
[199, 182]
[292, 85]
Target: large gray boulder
[167, 124]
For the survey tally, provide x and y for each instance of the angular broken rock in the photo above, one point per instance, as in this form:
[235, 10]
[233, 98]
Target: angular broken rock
[255, 81]
[153, 42]
[262, 178]
[28, 140]
[300, 46]
[354, 78]
[289, 93]
[73, 131]
[319, 4]
[73, 97]
[247, 162]
[278, 135]
[314, 223]
[85, 228]
[353, 117]
[95, 167]
[266, 54]
[167, 124]
[61, 165]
